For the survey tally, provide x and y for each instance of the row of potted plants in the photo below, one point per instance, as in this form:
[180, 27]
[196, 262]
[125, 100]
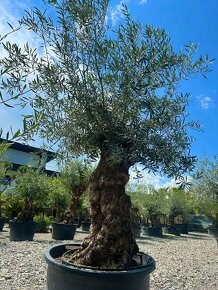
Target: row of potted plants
[163, 211]
[33, 193]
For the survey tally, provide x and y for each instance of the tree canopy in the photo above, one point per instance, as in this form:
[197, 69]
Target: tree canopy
[92, 86]
[205, 186]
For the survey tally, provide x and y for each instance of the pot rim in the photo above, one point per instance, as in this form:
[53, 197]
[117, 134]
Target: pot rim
[144, 269]
[57, 223]
[26, 222]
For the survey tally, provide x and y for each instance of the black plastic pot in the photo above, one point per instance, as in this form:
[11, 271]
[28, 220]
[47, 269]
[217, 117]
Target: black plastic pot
[172, 231]
[22, 231]
[85, 226]
[214, 233]
[184, 228]
[137, 231]
[155, 232]
[61, 276]
[2, 222]
[63, 231]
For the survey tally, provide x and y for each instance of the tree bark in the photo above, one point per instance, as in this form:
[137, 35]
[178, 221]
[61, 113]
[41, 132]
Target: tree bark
[111, 241]
[27, 213]
[69, 215]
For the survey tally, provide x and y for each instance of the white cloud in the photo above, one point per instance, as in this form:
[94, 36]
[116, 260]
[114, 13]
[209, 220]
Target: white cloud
[11, 12]
[154, 180]
[116, 12]
[170, 183]
[143, 2]
[146, 178]
[205, 102]
[185, 180]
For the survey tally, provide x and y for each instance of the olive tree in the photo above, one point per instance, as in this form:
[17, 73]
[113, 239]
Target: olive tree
[4, 167]
[180, 204]
[110, 93]
[152, 204]
[31, 186]
[74, 176]
[205, 187]
[58, 198]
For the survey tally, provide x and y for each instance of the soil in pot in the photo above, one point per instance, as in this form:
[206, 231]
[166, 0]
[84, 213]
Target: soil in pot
[63, 231]
[70, 277]
[22, 231]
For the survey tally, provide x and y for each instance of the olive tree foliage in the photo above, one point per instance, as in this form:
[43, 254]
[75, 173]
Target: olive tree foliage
[152, 204]
[74, 177]
[205, 186]
[92, 85]
[4, 167]
[58, 197]
[2, 162]
[108, 92]
[31, 186]
[180, 204]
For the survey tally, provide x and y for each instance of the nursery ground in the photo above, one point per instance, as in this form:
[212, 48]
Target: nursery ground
[189, 262]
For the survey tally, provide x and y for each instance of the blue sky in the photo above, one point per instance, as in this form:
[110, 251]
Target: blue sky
[184, 20]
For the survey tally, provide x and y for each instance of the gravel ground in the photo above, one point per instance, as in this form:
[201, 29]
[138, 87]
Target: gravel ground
[189, 262]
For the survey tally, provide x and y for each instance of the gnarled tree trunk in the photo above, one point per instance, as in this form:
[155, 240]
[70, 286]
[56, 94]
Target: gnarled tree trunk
[69, 215]
[111, 241]
[27, 213]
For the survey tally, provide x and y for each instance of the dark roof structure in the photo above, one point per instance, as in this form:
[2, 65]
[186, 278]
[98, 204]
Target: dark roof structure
[30, 149]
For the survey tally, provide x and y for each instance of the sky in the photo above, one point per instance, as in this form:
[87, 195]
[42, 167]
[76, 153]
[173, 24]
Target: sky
[185, 21]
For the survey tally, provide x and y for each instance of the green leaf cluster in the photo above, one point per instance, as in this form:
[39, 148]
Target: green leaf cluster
[98, 88]
[205, 186]
[31, 186]
[74, 175]
[58, 197]
[154, 204]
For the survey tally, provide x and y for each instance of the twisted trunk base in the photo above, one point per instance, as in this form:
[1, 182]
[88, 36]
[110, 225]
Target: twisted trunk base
[26, 213]
[70, 214]
[111, 241]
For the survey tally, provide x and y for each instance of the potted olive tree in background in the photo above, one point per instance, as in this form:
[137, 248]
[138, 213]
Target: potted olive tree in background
[84, 213]
[31, 186]
[138, 212]
[73, 181]
[179, 211]
[58, 200]
[111, 95]
[12, 206]
[152, 207]
[157, 207]
[42, 222]
[4, 182]
[75, 177]
[2, 188]
[205, 188]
